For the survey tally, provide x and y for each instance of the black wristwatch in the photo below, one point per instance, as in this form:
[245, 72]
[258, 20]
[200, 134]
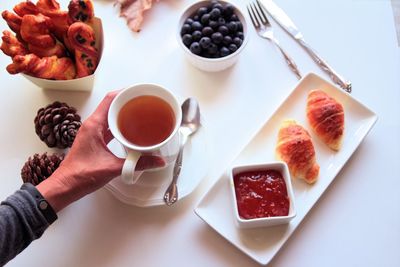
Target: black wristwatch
[42, 204]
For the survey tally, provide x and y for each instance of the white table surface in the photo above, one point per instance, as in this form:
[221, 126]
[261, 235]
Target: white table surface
[355, 223]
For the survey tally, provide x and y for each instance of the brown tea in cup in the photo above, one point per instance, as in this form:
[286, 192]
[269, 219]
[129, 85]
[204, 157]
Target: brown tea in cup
[146, 120]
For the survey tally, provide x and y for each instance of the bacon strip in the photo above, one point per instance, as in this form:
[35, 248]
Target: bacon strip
[133, 11]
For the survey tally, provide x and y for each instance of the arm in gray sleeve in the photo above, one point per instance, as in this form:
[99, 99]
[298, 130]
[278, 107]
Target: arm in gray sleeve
[21, 222]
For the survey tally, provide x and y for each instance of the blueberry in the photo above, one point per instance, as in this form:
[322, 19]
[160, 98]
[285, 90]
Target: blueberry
[232, 26]
[201, 11]
[237, 41]
[213, 2]
[224, 51]
[195, 48]
[234, 17]
[233, 47]
[215, 13]
[217, 37]
[196, 18]
[205, 42]
[205, 19]
[196, 26]
[218, 6]
[207, 31]
[189, 21]
[213, 24]
[209, 8]
[187, 39]
[205, 54]
[216, 55]
[221, 21]
[223, 30]
[239, 26]
[186, 28]
[228, 10]
[212, 49]
[196, 36]
[227, 40]
[240, 35]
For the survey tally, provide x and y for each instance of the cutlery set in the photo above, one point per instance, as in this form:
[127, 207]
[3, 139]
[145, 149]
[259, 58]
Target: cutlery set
[264, 29]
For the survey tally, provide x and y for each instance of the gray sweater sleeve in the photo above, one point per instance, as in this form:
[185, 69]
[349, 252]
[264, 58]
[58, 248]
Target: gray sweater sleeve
[21, 222]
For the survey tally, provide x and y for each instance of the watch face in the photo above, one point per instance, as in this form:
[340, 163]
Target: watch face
[43, 204]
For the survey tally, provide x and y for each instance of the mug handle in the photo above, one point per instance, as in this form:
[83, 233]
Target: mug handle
[127, 174]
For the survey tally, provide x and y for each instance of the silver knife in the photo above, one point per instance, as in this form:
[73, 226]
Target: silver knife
[282, 19]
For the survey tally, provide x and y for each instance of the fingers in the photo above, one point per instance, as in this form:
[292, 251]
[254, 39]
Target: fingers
[115, 167]
[149, 162]
[102, 109]
[108, 136]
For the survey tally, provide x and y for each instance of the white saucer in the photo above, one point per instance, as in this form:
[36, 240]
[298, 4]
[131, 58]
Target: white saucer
[150, 188]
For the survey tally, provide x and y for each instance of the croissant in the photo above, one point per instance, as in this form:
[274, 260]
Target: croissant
[26, 8]
[53, 68]
[14, 21]
[11, 46]
[80, 10]
[35, 30]
[57, 50]
[326, 117]
[82, 39]
[59, 18]
[46, 37]
[295, 147]
[48, 6]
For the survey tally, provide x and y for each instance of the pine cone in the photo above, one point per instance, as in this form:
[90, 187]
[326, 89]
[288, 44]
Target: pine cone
[40, 167]
[57, 124]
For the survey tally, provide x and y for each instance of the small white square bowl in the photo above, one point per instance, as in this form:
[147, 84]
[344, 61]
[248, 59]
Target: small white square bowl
[266, 221]
[211, 64]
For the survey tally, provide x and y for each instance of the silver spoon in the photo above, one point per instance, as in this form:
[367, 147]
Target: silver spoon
[190, 124]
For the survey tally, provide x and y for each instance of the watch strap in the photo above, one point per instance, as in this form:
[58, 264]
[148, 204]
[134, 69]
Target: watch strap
[41, 203]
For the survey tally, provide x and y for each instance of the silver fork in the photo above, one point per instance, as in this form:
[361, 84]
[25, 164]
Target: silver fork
[264, 29]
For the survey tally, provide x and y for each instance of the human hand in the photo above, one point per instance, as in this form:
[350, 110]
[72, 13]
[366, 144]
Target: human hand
[89, 165]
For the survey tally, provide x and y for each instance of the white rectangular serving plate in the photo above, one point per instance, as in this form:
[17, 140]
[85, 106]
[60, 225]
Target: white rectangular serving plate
[262, 244]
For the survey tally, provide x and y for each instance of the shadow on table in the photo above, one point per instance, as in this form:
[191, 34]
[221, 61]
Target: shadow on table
[208, 86]
[110, 228]
[76, 99]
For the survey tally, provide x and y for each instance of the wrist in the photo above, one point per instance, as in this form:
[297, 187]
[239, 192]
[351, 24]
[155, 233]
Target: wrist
[57, 191]
[41, 203]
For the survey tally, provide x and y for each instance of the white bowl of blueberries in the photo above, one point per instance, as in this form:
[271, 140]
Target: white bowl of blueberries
[212, 34]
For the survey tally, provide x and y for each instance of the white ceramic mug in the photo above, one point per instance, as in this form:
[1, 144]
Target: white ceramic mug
[167, 149]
